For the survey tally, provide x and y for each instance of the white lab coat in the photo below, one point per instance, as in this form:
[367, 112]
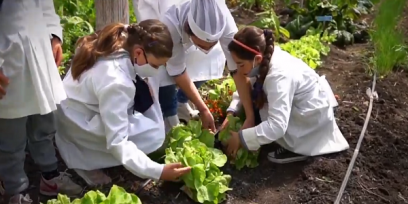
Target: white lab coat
[96, 126]
[26, 58]
[299, 112]
[200, 66]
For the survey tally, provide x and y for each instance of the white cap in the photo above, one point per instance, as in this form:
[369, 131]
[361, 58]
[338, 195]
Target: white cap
[207, 20]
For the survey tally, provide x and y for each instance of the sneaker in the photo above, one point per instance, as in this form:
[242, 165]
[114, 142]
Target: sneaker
[283, 156]
[185, 112]
[20, 199]
[60, 184]
[94, 177]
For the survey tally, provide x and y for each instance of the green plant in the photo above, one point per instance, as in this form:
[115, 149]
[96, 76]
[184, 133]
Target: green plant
[389, 47]
[78, 19]
[193, 147]
[271, 20]
[309, 48]
[344, 13]
[219, 96]
[117, 195]
[244, 157]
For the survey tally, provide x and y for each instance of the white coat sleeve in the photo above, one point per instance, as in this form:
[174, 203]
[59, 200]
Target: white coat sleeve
[226, 38]
[280, 90]
[113, 99]
[51, 19]
[177, 63]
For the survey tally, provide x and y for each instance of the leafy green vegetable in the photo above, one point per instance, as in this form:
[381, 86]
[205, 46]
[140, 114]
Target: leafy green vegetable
[308, 48]
[244, 157]
[192, 146]
[117, 195]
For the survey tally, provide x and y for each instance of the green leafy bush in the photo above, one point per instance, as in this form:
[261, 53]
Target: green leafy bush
[193, 147]
[117, 195]
[244, 157]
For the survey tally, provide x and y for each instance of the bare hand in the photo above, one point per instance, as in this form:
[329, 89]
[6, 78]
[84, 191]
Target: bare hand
[207, 120]
[225, 123]
[57, 50]
[172, 172]
[248, 123]
[233, 144]
[4, 81]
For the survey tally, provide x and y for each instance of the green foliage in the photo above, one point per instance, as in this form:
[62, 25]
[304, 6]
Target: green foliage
[271, 20]
[244, 158]
[344, 14]
[78, 19]
[309, 48]
[389, 47]
[194, 147]
[117, 195]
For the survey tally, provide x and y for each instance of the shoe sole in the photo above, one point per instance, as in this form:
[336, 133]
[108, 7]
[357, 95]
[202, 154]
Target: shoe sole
[286, 161]
[46, 193]
[88, 181]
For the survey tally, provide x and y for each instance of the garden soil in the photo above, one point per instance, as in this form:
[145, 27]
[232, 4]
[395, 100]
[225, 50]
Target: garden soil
[379, 174]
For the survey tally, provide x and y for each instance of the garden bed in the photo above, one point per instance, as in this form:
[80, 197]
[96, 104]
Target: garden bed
[379, 175]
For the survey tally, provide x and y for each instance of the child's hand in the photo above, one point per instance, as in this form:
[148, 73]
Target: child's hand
[172, 172]
[4, 81]
[57, 50]
[225, 123]
[233, 144]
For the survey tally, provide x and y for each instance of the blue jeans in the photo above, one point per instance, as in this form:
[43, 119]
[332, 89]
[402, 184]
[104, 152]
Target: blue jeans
[169, 96]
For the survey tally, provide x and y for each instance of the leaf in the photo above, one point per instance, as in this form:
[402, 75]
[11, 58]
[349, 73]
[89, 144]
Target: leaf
[207, 138]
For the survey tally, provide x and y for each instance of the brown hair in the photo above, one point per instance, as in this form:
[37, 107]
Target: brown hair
[261, 41]
[152, 35]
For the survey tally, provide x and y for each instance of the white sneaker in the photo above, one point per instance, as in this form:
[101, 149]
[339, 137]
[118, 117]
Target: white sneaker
[185, 112]
[20, 199]
[61, 184]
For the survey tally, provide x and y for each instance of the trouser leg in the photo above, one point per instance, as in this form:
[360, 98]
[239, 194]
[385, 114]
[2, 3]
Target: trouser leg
[181, 96]
[13, 140]
[168, 100]
[40, 134]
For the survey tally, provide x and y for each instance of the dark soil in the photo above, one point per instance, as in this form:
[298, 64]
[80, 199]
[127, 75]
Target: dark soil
[379, 174]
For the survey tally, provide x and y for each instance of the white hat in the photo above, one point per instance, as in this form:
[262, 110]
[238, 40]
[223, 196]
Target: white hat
[207, 20]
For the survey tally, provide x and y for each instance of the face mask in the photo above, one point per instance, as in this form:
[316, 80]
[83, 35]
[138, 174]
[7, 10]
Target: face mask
[255, 70]
[145, 70]
[201, 49]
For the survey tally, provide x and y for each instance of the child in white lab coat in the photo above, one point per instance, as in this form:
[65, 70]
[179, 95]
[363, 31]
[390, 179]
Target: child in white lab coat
[112, 116]
[295, 105]
[30, 89]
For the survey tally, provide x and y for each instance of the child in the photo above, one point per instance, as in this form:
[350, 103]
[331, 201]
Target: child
[208, 27]
[30, 89]
[112, 116]
[295, 104]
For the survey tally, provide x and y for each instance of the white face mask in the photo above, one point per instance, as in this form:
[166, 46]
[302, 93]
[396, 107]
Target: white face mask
[201, 49]
[145, 70]
[255, 70]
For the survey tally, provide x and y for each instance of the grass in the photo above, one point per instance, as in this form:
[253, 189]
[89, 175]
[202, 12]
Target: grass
[389, 47]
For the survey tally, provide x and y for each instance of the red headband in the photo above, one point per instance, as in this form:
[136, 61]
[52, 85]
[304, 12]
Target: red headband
[247, 48]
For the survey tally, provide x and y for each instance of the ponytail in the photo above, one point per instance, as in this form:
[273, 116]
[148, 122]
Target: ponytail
[264, 66]
[152, 35]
